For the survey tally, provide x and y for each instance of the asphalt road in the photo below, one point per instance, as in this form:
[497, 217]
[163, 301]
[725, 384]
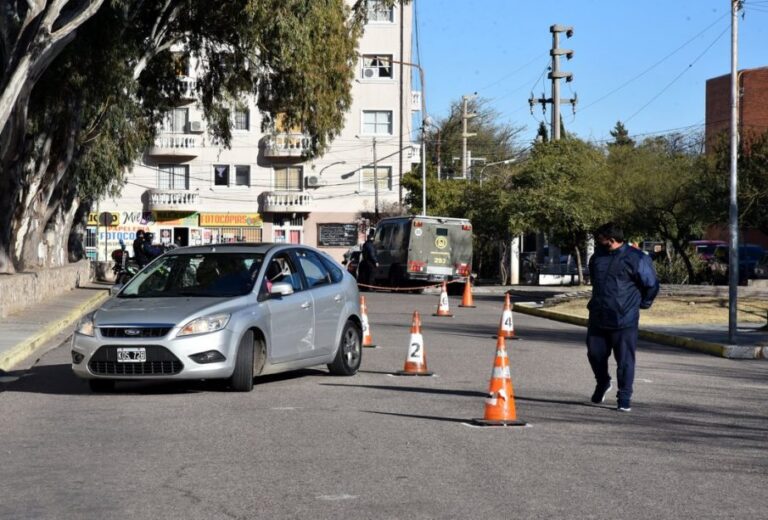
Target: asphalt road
[310, 445]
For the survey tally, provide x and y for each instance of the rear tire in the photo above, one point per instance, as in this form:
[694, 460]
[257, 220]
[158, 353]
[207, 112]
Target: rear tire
[242, 377]
[349, 354]
[101, 385]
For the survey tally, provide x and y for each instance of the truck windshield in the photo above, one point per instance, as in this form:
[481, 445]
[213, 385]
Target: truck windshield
[213, 275]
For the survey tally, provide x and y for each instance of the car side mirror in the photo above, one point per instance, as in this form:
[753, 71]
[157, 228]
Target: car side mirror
[116, 289]
[281, 289]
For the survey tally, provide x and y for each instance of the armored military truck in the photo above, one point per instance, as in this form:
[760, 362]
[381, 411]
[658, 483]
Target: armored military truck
[414, 251]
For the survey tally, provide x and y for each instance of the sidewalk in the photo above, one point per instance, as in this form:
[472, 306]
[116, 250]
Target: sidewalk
[22, 333]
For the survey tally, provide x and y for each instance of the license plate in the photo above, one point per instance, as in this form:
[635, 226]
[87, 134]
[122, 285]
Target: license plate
[131, 355]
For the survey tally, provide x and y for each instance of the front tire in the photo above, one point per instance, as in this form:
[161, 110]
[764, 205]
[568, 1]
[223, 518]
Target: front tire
[242, 377]
[350, 351]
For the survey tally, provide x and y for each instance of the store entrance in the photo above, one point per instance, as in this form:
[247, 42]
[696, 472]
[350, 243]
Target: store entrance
[181, 236]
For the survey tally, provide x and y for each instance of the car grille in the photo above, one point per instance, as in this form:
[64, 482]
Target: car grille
[160, 361]
[134, 332]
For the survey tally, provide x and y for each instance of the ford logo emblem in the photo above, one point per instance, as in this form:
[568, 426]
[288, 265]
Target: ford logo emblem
[132, 332]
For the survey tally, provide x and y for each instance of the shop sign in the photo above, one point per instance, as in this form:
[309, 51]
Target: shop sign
[146, 218]
[230, 220]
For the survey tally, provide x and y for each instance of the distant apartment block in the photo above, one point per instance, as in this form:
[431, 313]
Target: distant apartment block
[189, 190]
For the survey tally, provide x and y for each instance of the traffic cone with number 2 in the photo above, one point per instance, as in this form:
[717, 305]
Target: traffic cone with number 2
[506, 327]
[500, 404]
[416, 359]
[367, 338]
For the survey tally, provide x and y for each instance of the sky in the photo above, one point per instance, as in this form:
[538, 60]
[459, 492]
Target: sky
[644, 62]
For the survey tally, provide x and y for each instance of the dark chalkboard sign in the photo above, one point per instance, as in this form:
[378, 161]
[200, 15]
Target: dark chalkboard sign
[337, 235]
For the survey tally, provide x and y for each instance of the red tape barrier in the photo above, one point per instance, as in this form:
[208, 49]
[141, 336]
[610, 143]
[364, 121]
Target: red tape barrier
[412, 288]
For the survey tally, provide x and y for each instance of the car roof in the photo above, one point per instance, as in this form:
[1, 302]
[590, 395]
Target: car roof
[236, 247]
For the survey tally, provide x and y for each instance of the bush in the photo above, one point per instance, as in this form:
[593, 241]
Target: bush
[671, 269]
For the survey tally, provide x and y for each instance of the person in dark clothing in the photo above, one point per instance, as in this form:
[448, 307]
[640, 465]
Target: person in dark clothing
[150, 250]
[369, 261]
[138, 249]
[623, 282]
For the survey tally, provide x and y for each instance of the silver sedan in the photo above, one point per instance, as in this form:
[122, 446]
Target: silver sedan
[226, 311]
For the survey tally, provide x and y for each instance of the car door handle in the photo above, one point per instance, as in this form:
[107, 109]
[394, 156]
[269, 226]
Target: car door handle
[306, 305]
[338, 298]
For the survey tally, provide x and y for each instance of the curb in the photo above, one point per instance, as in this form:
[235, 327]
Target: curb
[27, 347]
[697, 345]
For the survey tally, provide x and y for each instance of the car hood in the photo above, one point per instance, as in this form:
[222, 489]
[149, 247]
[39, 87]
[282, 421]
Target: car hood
[157, 311]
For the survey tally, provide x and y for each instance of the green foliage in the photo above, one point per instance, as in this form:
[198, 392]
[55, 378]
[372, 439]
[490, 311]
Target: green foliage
[621, 136]
[673, 269]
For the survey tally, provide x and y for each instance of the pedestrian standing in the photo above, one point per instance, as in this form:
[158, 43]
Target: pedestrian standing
[623, 282]
[369, 261]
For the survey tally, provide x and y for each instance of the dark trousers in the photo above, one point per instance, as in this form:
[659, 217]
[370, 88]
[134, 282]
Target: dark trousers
[623, 343]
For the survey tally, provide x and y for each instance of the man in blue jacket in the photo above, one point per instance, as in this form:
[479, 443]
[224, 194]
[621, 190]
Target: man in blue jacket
[623, 282]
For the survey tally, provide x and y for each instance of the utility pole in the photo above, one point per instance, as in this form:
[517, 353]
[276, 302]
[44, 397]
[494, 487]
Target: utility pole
[465, 116]
[439, 161]
[733, 208]
[556, 75]
[375, 185]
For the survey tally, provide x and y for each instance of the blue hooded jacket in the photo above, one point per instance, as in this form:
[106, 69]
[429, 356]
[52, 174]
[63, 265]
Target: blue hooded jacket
[623, 282]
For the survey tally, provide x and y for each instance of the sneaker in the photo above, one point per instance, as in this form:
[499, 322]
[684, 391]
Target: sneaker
[624, 406]
[600, 391]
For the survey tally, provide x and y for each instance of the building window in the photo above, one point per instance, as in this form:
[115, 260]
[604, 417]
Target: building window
[173, 177]
[383, 175]
[241, 117]
[377, 122]
[242, 175]
[176, 120]
[379, 12]
[288, 178]
[221, 175]
[376, 66]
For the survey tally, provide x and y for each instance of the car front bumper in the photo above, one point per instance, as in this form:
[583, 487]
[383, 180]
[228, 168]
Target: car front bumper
[167, 357]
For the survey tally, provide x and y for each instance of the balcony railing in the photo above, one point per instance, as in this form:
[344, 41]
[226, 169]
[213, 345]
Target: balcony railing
[186, 145]
[286, 145]
[286, 202]
[188, 87]
[173, 200]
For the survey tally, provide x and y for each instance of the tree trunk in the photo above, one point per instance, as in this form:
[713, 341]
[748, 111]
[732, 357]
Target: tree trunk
[579, 268]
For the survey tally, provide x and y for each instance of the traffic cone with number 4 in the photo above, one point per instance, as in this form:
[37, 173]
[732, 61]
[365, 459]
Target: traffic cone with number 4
[367, 338]
[416, 359]
[506, 327]
[443, 309]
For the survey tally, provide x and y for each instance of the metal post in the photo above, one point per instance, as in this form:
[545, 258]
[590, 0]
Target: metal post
[733, 209]
[423, 170]
[555, 87]
[375, 185]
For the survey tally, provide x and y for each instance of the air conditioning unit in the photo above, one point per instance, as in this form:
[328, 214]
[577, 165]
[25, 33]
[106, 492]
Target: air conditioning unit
[195, 126]
[313, 181]
[370, 72]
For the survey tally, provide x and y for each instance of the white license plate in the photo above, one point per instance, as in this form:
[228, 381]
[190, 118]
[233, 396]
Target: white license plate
[131, 355]
[439, 270]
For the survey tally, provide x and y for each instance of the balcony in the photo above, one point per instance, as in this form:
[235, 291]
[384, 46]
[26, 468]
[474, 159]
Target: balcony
[188, 88]
[176, 145]
[286, 202]
[286, 145]
[173, 200]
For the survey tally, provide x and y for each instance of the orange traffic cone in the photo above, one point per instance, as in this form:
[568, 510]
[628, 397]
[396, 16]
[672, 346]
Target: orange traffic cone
[416, 360]
[500, 404]
[506, 327]
[466, 299]
[442, 306]
[367, 338]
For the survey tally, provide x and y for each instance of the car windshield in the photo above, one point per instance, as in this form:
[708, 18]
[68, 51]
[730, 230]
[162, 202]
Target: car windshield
[214, 275]
[706, 250]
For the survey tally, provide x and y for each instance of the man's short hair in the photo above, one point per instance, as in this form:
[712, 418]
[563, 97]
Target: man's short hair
[371, 233]
[610, 230]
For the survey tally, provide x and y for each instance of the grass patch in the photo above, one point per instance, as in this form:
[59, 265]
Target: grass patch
[678, 310]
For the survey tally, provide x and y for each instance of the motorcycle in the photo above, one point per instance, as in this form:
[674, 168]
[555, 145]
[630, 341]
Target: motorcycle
[125, 267]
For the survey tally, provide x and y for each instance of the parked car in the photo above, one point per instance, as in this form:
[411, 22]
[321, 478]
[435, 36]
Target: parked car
[761, 269]
[352, 260]
[226, 311]
[749, 256]
[705, 249]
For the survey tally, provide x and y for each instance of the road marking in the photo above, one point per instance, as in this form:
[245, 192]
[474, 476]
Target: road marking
[336, 497]
[284, 408]
[644, 380]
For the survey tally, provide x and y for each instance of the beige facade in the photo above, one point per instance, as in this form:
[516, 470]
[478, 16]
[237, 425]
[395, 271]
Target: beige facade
[189, 190]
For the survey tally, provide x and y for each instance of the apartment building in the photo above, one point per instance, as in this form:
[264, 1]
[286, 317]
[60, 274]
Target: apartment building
[188, 190]
[753, 105]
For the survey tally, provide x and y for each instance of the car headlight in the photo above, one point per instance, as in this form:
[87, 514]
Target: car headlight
[204, 325]
[85, 326]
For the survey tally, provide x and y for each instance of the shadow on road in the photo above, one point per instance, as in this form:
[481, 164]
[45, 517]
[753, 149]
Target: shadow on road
[59, 380]
[414, 389]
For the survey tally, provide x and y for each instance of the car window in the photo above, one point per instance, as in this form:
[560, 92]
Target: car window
[336, 273]
[281, 269]
[314, 270]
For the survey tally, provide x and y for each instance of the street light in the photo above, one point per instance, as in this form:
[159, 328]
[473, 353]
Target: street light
[505, 161]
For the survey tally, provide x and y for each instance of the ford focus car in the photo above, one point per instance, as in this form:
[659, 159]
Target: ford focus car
[226, 311]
